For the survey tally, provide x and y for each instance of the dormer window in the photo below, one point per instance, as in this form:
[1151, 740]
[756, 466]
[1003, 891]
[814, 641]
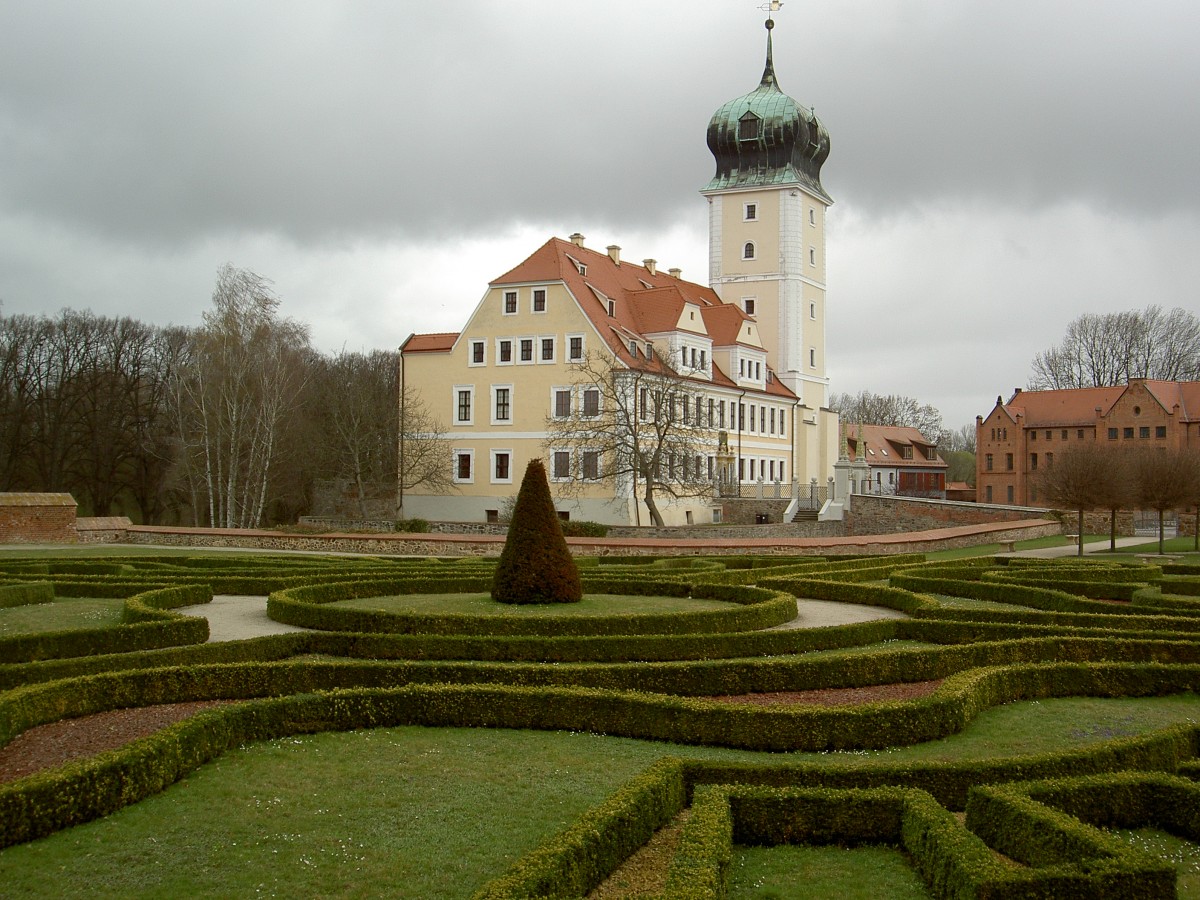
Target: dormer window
[582, 268]
[633, 351]
[748, 250]
[612, 307]
[748, 127]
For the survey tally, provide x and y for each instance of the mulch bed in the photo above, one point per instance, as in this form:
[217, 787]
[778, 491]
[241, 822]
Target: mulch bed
[875, 693]
[48, 746]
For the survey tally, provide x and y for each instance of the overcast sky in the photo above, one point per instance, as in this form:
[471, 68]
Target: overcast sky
[998, 166]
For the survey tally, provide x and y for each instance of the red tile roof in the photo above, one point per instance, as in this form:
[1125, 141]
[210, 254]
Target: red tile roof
[418, 343]
[645, 303]
[892, 438]
[1078, 406]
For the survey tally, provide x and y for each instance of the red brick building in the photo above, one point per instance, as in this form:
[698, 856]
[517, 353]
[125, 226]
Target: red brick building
[1018, 437]
[28, 518]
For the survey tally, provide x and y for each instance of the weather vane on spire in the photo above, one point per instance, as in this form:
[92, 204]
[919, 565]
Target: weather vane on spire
[770, 7]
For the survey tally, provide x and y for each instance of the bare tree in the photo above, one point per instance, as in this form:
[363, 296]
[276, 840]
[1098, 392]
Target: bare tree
[1164, 481]
[648, 427]
[424, 449]
[1103, 349]
[1083, 477]
[238, 383]
[1192, 491]
[867, 408]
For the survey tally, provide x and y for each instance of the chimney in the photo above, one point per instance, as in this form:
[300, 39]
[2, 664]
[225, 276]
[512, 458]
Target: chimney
[675, 273]
[614, 253]
[651, 266]
[577, 239]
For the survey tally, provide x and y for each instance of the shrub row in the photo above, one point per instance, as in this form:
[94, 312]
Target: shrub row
[1013, 594]
[849, 592]
[1075, 575]
[40, 804]
[148, 626]
[544, 697]
[308, 607]
[1179, 584]
[1013, 821]
[951, 860]
[25, 594]
[575, 861]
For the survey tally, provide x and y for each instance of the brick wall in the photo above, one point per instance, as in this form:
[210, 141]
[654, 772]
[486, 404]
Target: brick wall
[27, 518]
[884, 514]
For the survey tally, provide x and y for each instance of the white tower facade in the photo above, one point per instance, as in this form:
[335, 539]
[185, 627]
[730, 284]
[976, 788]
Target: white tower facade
[767, 249]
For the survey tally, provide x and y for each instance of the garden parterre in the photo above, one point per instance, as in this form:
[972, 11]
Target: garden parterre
[1094, 629]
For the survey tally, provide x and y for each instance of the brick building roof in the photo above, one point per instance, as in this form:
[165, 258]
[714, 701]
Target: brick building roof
[888, 443]
[1077, 406]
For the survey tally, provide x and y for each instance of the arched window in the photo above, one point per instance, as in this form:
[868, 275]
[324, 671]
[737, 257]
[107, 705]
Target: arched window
[748, 250]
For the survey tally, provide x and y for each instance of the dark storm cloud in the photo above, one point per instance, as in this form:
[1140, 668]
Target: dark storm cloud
[170, 121]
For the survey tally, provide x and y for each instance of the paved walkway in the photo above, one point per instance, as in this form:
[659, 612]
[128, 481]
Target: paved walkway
[1089, 548]
[235, 618]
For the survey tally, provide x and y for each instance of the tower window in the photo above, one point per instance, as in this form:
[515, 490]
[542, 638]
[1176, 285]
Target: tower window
[748, 127]
[750, 212]
[812, 357]
[748, 303]
[812, 310]
[812, 256]
[748, 250]
[812, 216]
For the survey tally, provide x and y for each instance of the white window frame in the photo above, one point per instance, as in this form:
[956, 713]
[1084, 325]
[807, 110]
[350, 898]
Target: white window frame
[533, 301]
[570, 463]
[750, 211]
[454, 392]
[749, 250]
[812, 310]
[511, 405]
[582, 347]
[538, 349]
[533, 352]
[812, 357]
[512, 352]
[812, 256]
[504, 303]
[480, 343]
[492, 454]
[454, 455]
[554, 392]
[812, 215]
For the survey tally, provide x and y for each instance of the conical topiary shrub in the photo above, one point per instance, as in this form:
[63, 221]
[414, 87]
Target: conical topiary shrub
[536, 566]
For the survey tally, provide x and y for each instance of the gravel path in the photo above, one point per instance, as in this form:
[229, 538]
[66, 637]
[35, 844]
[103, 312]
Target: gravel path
[235, 618]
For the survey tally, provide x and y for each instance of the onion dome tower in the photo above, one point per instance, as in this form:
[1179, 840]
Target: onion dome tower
[767, 212]
[765, 137]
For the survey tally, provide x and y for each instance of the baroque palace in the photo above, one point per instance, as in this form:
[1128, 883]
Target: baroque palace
[750, 345]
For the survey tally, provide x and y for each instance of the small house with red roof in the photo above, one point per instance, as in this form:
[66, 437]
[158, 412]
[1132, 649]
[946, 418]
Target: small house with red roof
[1018, 438]
[901, 460]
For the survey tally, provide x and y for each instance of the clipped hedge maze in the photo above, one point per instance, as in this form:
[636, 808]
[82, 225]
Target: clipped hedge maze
[993, 631]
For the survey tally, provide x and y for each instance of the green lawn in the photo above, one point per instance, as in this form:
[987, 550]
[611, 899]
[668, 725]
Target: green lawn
[805, 872]
[484, 605]
[1184, 855]
[419, 812]
[62, 615]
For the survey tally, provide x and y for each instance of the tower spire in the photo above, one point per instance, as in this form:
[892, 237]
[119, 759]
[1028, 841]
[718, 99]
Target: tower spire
[768, 78]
